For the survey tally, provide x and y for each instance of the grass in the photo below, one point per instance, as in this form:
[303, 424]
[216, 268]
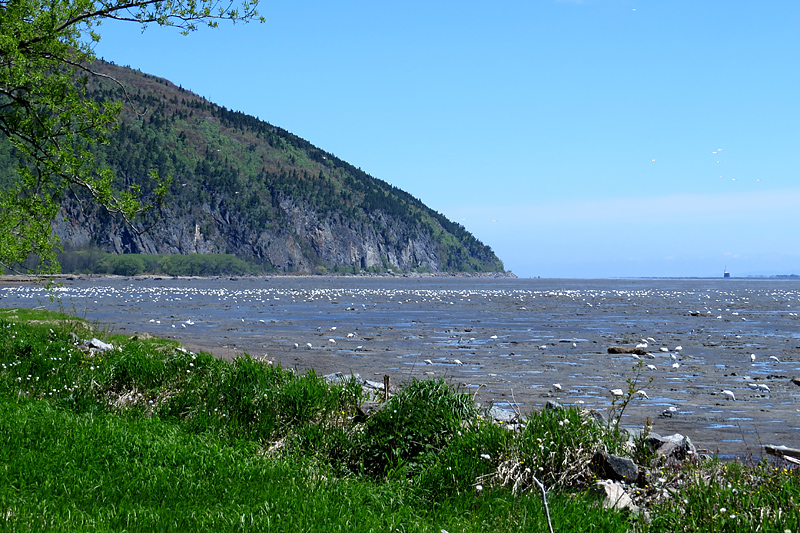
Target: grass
[148, 436]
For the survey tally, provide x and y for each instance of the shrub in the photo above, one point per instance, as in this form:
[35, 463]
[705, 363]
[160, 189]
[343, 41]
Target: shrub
[421, 418]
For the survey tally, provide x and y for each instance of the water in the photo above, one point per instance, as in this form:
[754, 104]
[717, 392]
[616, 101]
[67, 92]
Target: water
[513, 338]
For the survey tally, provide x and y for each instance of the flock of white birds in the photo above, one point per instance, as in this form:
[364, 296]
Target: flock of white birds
[464, 333]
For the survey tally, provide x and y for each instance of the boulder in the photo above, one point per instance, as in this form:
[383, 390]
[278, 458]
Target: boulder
[613, 496]
[675, 446]
[596, 416]
[501, 415]
[614, 467]
[553, 406]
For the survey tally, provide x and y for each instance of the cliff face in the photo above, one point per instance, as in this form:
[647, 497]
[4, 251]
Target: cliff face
[308, 240]
[244, 187]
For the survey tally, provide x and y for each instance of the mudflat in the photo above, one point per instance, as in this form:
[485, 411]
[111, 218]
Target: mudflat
[516, 343]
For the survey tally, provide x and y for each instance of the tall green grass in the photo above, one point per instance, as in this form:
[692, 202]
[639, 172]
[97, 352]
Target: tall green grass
[148, 436]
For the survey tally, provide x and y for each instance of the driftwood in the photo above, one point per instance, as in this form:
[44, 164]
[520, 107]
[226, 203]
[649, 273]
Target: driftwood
[789, 454]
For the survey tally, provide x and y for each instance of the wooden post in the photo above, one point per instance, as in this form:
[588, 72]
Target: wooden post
[386, 387]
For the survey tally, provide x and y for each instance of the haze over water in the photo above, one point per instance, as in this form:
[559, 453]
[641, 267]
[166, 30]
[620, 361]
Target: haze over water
[505, 340]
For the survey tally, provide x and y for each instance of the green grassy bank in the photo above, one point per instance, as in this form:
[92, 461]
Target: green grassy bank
[149, 437]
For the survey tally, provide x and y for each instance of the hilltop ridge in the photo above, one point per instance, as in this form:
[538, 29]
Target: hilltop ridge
[245, 187]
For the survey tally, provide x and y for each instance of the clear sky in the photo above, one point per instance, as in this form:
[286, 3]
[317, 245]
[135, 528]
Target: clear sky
[593, 138]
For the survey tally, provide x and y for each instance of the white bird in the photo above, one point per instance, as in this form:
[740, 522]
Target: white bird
[642, 345]
[652, 367]
[617, 393]
[678, 348]
[775, 358]
[729, 394]
[752, 358]
[664, 349]
[493, 337]
[669, 411]
[332, 341]
[676, 365]
[643, 394]
[556, 386]
[456, 361]
[763, 386]
[308, 345]
[428, 362]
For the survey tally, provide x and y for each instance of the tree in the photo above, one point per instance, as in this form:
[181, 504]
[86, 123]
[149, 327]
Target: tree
[46, 51]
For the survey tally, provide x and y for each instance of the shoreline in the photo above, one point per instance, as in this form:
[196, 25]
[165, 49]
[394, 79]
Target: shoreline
[505, 341]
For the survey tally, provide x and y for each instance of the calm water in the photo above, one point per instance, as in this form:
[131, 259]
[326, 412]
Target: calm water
[509, 340]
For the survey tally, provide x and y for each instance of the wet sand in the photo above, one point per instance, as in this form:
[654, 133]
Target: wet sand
[505, 341]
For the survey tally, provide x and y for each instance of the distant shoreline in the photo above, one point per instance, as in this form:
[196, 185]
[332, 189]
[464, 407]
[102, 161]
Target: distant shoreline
[30, 278]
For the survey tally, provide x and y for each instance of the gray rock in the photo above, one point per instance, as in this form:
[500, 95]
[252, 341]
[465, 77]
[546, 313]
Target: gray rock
[613, 496]
[100, 345]
[501, 415]
[595, 415]
[367, 409]
[553, 406]
[613, 467]
[676, 446]
[373, 385]
[340, 378]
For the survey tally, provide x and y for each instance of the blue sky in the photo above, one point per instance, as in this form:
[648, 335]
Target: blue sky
[594, 138]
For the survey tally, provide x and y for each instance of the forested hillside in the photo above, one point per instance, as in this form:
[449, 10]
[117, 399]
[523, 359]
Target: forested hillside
[244, 187]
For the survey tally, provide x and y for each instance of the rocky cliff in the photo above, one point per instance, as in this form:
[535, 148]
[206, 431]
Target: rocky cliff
[244, 187]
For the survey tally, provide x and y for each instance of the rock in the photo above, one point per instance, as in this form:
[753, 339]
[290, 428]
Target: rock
[595, 415]
[613, 467]
[99, 345]
[796, 381]
[340, 378]
[367, 409]
[373, 385]
[141, 337]
[613, 496]
[626, 350]
[553, 406]
[501, 415]
[676, 446]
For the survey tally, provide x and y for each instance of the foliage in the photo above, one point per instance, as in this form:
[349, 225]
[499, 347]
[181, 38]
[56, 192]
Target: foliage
[95, 262]
[234, 175]
[149, 436]
[46, 52]
[422, 418]
[555, 446]
[731, 497]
